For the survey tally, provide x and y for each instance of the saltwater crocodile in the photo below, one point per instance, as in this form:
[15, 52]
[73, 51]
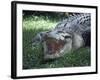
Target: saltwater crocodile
[71, 33]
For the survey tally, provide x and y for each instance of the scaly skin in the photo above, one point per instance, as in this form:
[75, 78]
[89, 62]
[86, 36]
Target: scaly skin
[75, 24]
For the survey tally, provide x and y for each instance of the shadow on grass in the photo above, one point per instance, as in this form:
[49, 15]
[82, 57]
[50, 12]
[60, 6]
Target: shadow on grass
[33, 58]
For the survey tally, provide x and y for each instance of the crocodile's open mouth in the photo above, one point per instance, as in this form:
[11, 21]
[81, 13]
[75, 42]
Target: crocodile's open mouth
[53, 47]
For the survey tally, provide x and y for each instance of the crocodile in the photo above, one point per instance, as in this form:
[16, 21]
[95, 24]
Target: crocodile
[69, 34]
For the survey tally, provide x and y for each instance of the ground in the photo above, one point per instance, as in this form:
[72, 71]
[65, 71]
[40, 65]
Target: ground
[33, 58]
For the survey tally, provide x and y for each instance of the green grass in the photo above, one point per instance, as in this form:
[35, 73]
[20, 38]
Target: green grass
[33, 58]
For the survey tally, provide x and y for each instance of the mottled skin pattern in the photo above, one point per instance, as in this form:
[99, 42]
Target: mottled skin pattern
[71, 33]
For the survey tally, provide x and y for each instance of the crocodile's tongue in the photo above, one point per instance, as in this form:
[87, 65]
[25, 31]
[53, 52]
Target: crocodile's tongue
[54, 46]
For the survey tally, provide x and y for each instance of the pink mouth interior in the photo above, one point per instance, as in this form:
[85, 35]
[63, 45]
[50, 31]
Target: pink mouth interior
[54, 46]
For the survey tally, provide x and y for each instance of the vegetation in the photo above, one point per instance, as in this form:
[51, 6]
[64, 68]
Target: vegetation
[33, 58]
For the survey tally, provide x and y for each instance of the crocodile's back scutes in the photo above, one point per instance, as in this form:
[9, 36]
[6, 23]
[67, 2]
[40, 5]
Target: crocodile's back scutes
[77, 23]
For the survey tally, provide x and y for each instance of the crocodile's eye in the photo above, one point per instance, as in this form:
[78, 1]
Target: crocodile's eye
[66, 37]
[60, 32]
